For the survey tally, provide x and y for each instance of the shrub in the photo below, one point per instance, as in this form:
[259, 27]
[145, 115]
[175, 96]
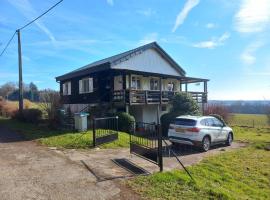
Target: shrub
[7, 108]
[217, 109]
[31, 115]
[125, 121]
[182, 104]
[50, 104]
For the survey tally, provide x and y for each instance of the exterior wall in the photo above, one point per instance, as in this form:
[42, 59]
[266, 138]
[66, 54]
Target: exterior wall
[146, 113]
[148, 61]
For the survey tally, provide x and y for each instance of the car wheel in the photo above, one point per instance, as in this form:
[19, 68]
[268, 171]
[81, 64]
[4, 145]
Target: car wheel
[229, 139]
[206, 143]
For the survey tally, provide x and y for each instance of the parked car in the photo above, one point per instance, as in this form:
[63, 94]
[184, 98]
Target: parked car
[202, 131]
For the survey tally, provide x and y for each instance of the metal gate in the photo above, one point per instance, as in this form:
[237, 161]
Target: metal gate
[146, 142]
[105, 130]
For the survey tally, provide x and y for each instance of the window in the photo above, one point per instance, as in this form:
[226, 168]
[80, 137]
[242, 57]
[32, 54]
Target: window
[171, 86]
[185, 122]
[154, 84]
[86, 85]
[210, 122]
[135, 82]
[67, 88]
[217, 123]
[204, 122]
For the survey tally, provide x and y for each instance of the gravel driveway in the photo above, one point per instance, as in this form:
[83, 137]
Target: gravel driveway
[31, 171]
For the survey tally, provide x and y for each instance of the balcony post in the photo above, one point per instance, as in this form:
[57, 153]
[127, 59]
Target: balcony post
[186, 87]
[160, 90]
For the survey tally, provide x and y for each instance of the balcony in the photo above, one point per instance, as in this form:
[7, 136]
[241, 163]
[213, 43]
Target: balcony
[138, 97]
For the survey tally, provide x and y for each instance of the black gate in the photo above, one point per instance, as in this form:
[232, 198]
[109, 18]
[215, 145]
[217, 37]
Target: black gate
[105, 130]
[146, 142]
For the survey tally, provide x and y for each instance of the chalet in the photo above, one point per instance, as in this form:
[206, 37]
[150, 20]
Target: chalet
[140, 81]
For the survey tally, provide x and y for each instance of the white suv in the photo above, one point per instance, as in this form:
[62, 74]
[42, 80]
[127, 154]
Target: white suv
[202, 131]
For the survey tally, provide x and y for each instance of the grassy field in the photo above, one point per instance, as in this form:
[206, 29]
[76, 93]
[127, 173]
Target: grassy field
[64, 139]
[239, 174]
[250, 120]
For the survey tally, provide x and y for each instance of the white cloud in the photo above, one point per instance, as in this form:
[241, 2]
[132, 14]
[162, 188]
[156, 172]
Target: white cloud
[213, 43]
[146, 12]
[110, 2]
[210, 25]
[184, 13]
[253, 16]
[30, 13]
[248, 56]
[152, 37]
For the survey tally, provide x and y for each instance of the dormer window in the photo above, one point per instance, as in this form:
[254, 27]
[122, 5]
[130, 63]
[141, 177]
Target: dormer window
[66, 88]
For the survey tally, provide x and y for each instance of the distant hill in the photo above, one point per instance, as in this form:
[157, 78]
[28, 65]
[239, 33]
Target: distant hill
[245, 107]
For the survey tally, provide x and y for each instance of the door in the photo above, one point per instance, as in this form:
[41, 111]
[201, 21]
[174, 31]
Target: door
[118, 83]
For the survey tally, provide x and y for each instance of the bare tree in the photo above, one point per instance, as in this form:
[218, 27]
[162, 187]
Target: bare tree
[7, 88]
[50, 103]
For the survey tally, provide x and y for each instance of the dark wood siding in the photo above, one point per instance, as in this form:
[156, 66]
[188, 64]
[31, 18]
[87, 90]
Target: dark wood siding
[102, 92]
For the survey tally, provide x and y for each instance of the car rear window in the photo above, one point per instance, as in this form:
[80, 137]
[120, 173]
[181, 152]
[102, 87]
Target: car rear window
[185, 122]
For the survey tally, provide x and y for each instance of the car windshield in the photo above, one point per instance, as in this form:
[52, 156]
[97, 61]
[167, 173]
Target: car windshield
[185, 122]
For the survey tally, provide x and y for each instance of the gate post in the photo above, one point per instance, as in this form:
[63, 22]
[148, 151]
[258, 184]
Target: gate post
[160, 157]
[94, 132]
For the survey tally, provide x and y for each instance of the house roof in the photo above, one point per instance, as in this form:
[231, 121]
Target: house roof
[108, 62]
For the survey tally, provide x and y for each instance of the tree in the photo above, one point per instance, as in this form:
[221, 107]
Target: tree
[181, 104]
[50, 103]
[7, 89]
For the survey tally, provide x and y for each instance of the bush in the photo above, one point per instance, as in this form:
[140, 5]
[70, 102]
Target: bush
[182, 104]
[50, 104]
[7, 108]
[31, 115]
[125, 121]
[217, 109]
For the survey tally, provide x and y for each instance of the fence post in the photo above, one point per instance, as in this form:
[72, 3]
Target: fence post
[253, 123]
[94, 132]
[160, 157]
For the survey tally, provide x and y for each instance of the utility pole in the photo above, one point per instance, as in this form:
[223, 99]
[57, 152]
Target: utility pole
[20, 73]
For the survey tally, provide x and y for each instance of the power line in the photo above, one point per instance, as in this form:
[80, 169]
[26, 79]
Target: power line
[8, 43]
[28, 25]
[40, 15]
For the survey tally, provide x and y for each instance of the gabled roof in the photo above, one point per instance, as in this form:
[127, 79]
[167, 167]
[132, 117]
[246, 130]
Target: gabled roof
[108, 62]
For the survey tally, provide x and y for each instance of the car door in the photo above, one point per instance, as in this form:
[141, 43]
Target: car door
[223, 132]
[219, 127]
[214, 130]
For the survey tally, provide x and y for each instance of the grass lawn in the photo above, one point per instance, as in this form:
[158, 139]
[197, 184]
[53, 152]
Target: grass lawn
[56, 138]
[248, 120]
[239, 174]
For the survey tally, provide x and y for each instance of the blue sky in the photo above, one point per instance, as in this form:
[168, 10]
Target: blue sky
[225, 41]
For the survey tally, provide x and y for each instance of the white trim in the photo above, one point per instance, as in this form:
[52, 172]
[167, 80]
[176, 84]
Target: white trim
[90, 86]
[66, 88]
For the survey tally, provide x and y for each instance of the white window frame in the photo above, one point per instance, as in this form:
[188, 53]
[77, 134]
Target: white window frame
[83, 90]
[174, 86]
[66, 87]
[134, 85]
[156, 81]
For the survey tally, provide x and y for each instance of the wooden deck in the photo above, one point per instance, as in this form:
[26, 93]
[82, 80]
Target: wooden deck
[140, 97]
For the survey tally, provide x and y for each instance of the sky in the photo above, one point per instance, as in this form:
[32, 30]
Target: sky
[226, 41]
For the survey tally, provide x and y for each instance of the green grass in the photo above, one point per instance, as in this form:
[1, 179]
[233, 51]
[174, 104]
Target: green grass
[64, 139]
[249, 120]
[239, 174]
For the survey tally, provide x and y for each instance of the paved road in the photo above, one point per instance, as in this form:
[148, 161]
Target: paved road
[31, 171]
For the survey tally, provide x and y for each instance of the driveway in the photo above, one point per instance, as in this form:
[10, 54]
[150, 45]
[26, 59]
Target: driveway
[31, 171]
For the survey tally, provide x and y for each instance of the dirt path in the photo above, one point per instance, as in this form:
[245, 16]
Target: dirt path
[30, 171]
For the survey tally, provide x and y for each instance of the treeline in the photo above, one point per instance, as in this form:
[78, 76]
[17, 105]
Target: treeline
[10, 91]
[245, 107]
